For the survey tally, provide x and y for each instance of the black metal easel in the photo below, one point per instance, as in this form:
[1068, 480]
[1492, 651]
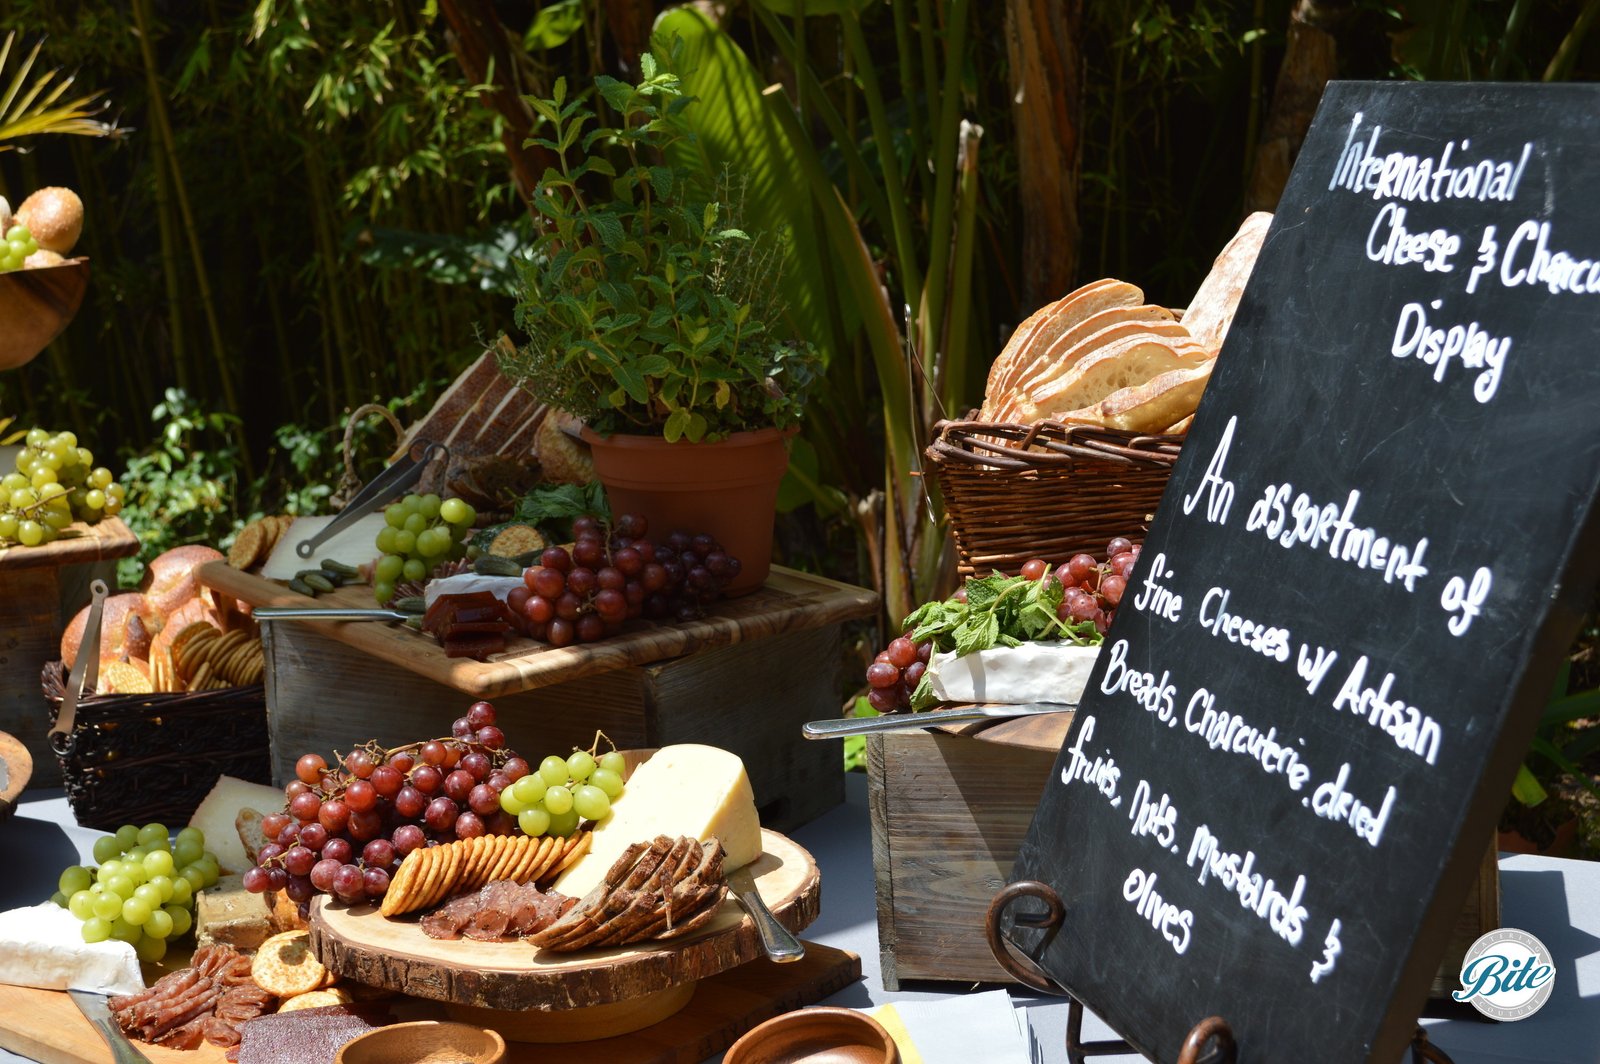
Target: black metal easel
[1209, 1042]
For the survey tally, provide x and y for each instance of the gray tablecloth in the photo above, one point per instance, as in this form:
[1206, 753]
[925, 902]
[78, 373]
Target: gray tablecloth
[1559, 901]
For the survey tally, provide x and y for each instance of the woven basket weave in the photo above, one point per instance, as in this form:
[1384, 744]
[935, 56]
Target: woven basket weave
[1049, 490]
[138, 759]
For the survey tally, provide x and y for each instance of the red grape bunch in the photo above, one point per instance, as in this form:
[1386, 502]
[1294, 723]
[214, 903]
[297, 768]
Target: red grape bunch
[346, 828]
[615, 575]
[895, 673]
[1093, 589]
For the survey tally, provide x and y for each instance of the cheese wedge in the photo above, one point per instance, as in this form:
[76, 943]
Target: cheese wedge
[43, 946]
[217, 814]
[689, 789]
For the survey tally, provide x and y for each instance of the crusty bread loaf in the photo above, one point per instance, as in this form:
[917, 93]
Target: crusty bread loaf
[1211, 311]
[171, 581]
[125, 629]
[1039, 332]
[1151, 406]
[1119, 364]
[1093, 335]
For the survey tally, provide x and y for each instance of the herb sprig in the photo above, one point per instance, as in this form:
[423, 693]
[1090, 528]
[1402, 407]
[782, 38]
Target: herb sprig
[999, 610]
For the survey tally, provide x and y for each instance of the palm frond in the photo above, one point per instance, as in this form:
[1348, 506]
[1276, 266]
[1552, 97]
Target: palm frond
[31, 104]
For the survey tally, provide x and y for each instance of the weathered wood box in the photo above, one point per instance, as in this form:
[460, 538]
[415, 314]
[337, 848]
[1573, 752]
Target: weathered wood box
[950, 808]
[41, 588]
[745, 679]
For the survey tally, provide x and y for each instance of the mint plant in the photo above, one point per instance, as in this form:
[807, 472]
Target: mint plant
[648, 309]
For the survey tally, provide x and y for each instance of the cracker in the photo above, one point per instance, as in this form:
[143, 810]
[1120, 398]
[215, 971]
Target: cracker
[508, 856]
[201, 680]
[478, 850]
[316, 999]
[285, 965]
[397, 899]
[121, 678]
[247, 547]
[537, 857]
[577, 846]
[194, 651]
[446, 872]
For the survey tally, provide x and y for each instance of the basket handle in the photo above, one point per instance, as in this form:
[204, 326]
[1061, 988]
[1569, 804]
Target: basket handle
[85, 673]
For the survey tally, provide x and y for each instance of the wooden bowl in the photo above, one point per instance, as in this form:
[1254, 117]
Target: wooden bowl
[425, 1042]
[16, 767]
[816, 1036]
[35, 305]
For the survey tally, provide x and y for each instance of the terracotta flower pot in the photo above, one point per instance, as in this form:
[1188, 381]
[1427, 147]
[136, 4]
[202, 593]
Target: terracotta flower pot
[728, 489]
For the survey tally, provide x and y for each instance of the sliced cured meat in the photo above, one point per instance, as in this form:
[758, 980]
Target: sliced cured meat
[208, 1001]
[497, 912]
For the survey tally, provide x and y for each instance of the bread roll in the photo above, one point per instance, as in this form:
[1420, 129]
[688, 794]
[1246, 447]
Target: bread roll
[55, 218]
[125, 630]
[171, 581]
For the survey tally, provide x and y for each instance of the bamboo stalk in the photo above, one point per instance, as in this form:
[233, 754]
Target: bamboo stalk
[939, 227]
[1508, 40]
[911, 277]
[952, 386]
[168, 147]
[169, 251]
[908, 89]
[327, 268]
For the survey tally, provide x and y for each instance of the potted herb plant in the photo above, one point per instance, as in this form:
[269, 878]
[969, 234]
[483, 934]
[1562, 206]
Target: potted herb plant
[652, 315]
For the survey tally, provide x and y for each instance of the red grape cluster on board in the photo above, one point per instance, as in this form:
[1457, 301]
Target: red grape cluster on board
[612, 576]
[345, 828]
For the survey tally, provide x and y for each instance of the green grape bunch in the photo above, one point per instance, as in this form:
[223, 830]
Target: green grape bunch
[421, 531]
[18, 245]
[55, 483]
[143, 891]
[559, 790]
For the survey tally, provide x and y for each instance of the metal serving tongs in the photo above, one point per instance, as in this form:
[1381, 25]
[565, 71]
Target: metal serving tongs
[85, 673]
[385, 487]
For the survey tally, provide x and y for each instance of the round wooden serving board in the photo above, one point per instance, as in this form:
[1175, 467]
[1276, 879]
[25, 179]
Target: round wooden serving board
[356, 942]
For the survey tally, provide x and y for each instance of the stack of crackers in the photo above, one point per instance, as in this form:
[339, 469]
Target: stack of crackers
[253, 546]
[286, 966]
[428, 876]
[200, 658]
[1104, 356]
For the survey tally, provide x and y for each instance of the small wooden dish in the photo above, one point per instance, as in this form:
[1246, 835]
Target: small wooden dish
[36, 305]
[16, 768]
[816, 1036]
[425, 1042]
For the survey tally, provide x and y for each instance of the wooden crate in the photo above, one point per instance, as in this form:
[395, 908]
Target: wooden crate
[744, 678]
[41, 588]
[950, 808]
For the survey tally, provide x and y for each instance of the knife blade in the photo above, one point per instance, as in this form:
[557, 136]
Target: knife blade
[781, 947]
[896, 722]
[328, 613]
[97, 1012]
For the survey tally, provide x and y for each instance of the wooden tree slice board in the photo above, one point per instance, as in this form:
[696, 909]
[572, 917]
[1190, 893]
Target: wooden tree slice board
[395, 953]
[16, 768]
[44, 1025]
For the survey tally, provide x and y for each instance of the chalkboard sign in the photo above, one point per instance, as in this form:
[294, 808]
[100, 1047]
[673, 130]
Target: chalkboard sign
[1351, 605]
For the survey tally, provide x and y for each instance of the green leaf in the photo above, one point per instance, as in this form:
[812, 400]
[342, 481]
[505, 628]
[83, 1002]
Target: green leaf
[1527, 789]
[619, 94]
[632, 380]
[677, 423]
[923, 697]
[654, 365]
[647, 67]
[552, 27]
[661, 181]
[983, 592]
[609, 228]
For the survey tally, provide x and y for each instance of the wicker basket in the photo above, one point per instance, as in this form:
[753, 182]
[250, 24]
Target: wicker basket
[137, 759]
[1015, 492]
